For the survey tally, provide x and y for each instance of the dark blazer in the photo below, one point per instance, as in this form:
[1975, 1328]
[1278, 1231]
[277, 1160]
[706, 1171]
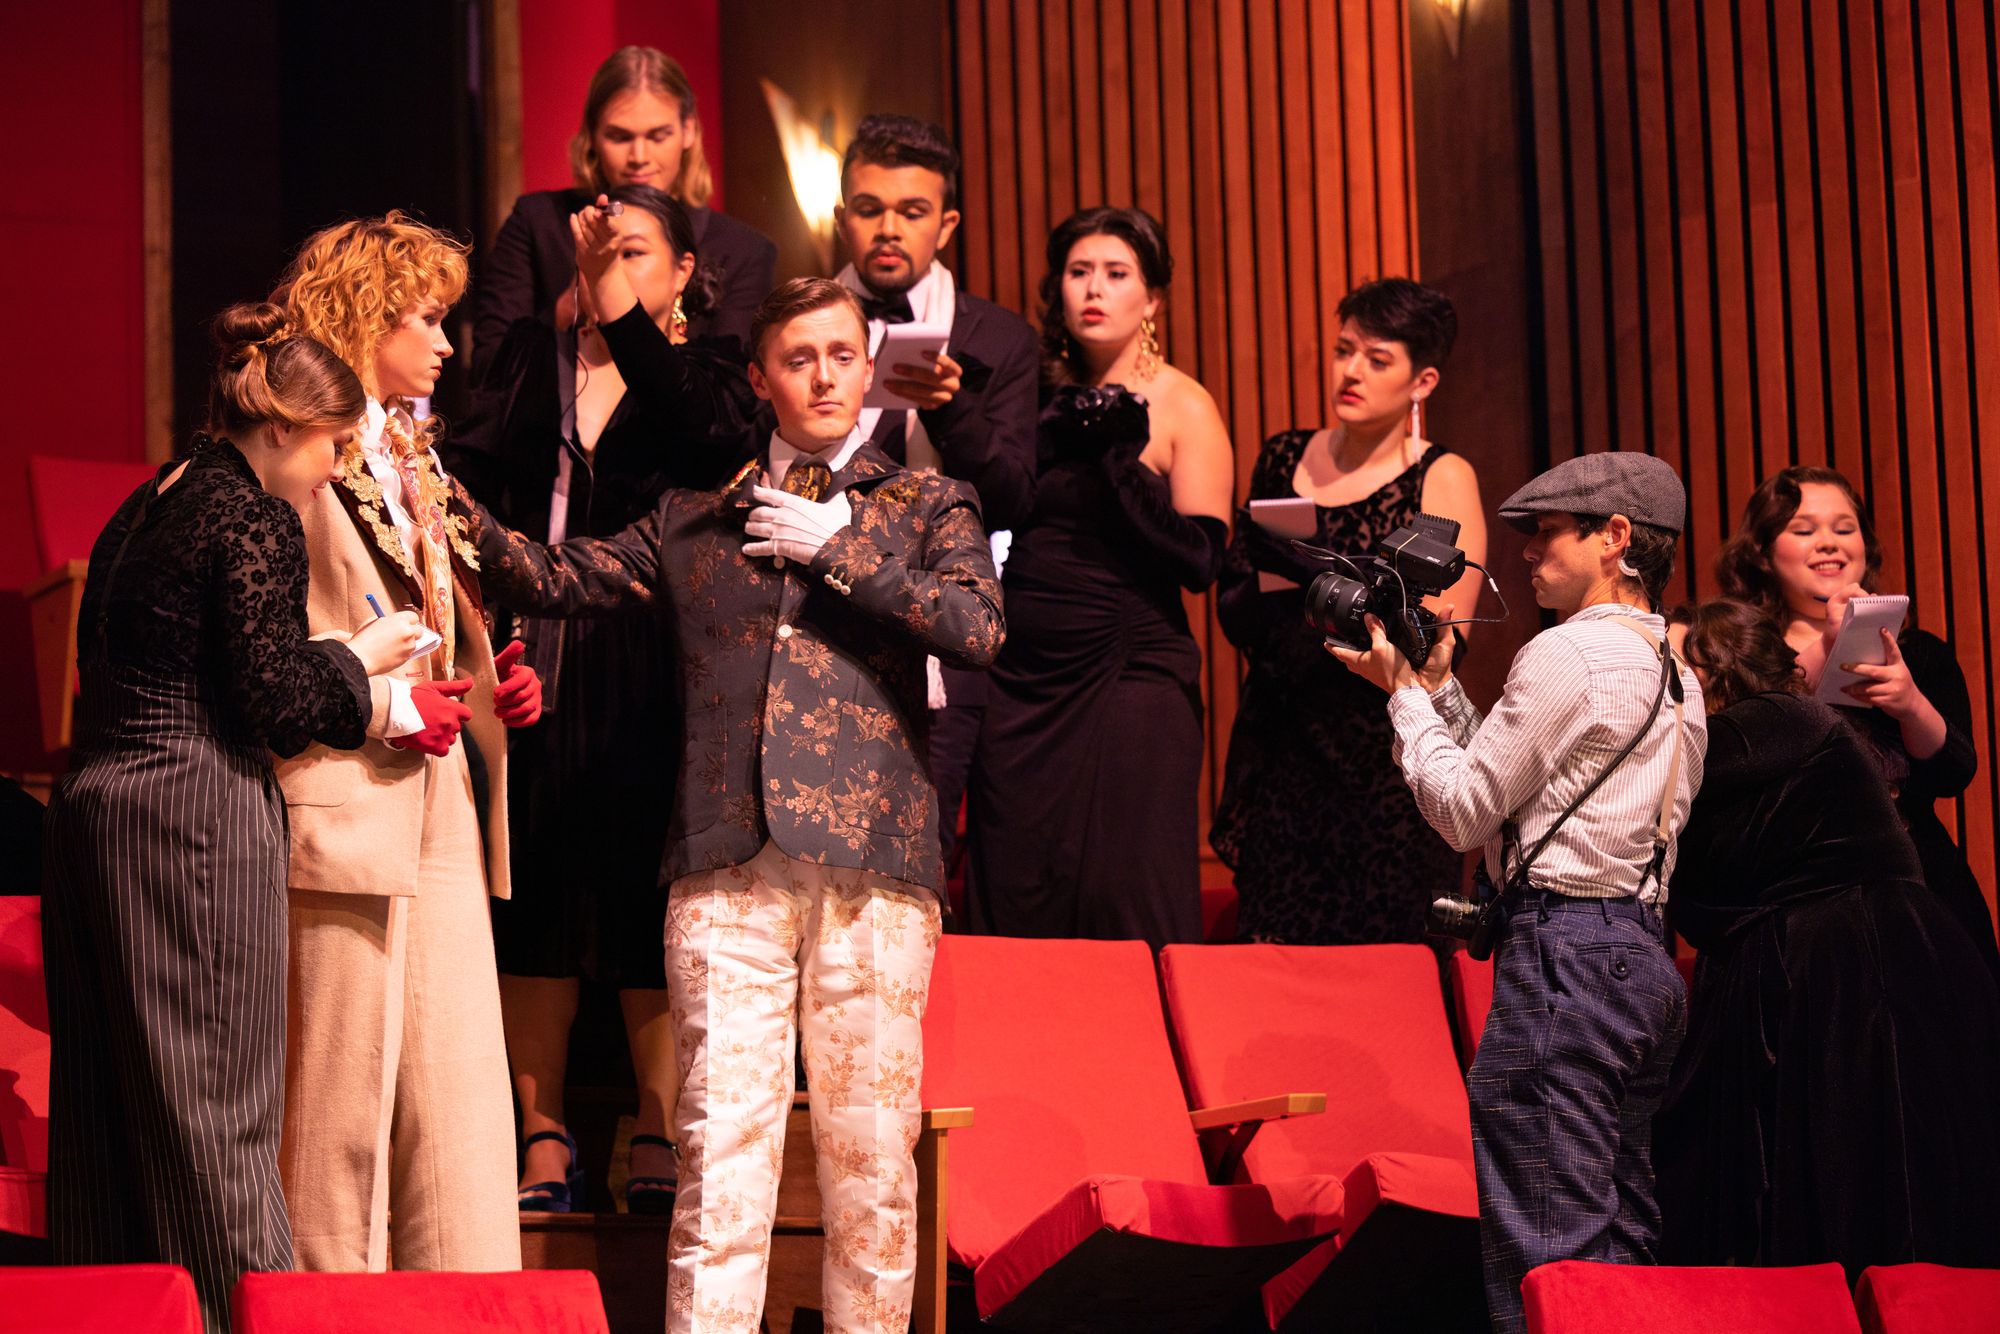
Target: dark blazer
[805, 715]
[534, 258]
[986, 434]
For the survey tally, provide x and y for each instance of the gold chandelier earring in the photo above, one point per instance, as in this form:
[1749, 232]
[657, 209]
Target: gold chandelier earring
[1149, 349]
[680, 318]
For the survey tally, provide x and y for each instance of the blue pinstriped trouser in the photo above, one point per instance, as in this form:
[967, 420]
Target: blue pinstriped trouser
[1587, 1014]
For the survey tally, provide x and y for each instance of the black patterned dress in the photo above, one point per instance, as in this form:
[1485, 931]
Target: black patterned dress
[1325, 839]
[164, 879]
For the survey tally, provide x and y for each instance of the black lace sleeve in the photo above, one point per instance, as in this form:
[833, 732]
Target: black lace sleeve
[289, 690]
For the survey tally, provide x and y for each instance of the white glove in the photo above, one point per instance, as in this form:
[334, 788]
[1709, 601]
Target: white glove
[791, 527]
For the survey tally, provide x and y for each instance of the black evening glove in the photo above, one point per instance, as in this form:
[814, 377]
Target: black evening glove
[1275, 555]
[1089, 421]
[1190, 546]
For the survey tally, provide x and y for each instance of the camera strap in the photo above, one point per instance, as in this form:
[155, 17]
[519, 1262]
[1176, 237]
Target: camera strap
[1669, 683]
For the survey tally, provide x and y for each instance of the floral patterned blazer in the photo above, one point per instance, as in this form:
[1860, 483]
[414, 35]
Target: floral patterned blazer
[805, 711]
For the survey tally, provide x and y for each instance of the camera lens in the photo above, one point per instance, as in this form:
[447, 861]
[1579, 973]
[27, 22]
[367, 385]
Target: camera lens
[1335, 605]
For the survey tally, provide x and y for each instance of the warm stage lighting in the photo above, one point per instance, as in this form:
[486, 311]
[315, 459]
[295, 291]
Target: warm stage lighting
[813, 167]
[1452, 14]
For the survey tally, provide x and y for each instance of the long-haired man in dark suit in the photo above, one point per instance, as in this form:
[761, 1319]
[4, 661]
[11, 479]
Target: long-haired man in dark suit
[802, 863]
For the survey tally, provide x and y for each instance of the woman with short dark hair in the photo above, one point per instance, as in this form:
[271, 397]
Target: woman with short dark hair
[1325, 839]
[1836, 1096]
[576, 433]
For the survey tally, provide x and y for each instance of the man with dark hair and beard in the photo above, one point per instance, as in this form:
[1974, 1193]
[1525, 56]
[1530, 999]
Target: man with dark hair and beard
[972, 412]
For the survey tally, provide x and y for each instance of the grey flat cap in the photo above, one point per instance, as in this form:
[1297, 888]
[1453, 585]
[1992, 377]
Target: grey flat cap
[1640, 487]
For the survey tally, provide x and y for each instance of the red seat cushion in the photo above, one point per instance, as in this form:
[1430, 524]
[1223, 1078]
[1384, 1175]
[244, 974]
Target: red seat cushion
[1363, 1024]
[1583, 1297]
[24, 1070]
[1152, 1254]
[87, 1299]
[1472, 997]
[541, 1301]
[1927, 1299]
[1060, 1049]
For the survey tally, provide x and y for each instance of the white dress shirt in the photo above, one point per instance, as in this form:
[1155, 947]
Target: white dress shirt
[1574, 697]
[784, 453]
[404, 720]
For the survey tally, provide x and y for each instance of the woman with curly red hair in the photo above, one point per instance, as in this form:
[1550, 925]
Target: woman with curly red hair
[396, 1101]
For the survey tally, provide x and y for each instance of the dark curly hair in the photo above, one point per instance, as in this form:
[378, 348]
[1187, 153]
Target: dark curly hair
[1739, 651]
[1420, 318]
[903, 141]
[1744, 564]
[704, 285]
[1136, 228]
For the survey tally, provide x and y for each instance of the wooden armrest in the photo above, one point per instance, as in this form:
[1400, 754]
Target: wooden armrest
[1274, 1108]
[947, 1118]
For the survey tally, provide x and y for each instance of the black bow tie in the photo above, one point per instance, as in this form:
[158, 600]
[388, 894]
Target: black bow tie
[892, 309]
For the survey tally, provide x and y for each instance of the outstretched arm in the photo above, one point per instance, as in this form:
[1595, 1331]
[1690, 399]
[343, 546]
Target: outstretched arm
[586, 576]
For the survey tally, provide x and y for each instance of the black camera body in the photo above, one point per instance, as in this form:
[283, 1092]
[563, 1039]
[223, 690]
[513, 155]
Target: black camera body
[1476, 921]
[1414, 562]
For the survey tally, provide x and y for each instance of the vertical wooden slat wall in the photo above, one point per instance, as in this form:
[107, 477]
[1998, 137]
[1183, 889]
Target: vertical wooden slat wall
[1271, 139]
[1769, 234]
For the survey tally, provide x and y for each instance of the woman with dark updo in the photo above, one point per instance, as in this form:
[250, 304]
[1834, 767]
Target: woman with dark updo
[1083, 803]
[165, 850]
[1838, 1093]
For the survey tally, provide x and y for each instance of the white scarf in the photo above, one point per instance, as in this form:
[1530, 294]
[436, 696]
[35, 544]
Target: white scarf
[933, 300]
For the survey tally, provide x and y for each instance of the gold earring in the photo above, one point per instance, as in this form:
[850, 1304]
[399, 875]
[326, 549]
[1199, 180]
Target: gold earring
[680, 319]
[1149, 349]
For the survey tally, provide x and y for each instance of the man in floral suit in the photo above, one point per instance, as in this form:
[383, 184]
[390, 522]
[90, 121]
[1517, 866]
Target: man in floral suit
[802, 857]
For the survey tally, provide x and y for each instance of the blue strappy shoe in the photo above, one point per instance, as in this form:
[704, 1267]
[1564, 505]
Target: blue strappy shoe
[652, 1196]
[553, 1197]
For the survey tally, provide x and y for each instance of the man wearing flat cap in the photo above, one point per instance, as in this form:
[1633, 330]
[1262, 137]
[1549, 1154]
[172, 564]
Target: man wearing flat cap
[1577, 785]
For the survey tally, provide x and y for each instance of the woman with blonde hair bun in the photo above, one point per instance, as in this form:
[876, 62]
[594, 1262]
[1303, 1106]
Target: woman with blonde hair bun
[639, 127]
[396, 1098]
[163, 901]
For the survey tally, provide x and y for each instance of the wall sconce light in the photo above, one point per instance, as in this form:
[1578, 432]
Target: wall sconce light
[1452, 14]
[813, 167]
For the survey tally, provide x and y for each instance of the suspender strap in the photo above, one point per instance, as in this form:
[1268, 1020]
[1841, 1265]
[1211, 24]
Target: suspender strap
[1662, 827]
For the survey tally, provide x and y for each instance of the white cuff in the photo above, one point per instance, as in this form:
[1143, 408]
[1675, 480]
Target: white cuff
[403, 720]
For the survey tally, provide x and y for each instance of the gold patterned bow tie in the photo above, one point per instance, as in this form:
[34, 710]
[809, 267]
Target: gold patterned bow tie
[808, 479]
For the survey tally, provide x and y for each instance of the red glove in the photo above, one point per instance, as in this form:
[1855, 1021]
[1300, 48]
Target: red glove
[517, 698]
[437, 704]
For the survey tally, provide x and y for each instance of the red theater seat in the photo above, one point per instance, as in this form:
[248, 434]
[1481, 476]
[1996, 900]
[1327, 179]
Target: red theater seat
[1078, 1196]
[1583, 1297]
[537, 1301]
[1928, 1299]
[24, 1070]
[1471, 998]
[1367, 1024]
[91, 1299]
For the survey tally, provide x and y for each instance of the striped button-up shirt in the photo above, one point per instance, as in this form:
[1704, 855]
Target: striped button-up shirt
[1574, 697]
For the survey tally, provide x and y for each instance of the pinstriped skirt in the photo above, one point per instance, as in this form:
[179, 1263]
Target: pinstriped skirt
[164, 916]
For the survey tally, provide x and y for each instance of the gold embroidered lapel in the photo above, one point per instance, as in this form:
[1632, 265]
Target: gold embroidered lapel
[368, 506]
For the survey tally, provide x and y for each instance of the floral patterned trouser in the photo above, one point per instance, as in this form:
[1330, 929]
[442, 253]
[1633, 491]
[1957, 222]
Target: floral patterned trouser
[848, 953]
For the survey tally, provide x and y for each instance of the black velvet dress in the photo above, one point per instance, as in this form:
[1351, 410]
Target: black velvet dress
[1838, 1095]
[164, 894]
[1324, 836]
[1919, 785]
[1084, 787]
[591, 786]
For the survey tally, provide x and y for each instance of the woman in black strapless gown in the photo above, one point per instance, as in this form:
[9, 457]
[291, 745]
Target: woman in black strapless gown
[1838, 1094]
[1083, 819]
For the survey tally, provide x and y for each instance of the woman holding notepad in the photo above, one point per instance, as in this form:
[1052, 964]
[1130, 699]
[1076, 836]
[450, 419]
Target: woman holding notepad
[1804, 548]
[1323, 834]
